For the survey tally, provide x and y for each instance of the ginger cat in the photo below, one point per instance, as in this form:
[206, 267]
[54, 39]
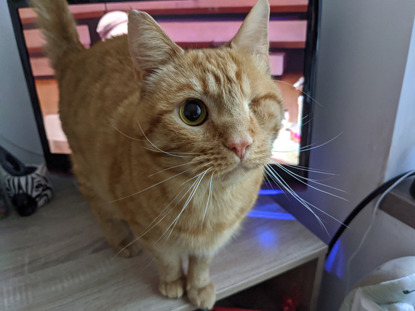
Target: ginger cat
[169, 145]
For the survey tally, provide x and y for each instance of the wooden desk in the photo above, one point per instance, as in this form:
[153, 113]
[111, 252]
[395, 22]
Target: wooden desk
[57, 259]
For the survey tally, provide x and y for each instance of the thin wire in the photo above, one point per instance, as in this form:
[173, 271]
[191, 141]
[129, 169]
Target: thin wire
[375, 209]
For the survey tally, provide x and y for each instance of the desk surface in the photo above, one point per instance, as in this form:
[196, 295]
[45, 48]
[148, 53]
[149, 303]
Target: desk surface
[58, 259]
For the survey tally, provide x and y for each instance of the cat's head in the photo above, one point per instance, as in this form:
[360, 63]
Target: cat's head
[214, 108]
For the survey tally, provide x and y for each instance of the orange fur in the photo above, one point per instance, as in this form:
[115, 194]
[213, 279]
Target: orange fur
[118, 94]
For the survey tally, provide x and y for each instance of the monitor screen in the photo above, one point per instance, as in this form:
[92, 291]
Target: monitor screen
[191, 24]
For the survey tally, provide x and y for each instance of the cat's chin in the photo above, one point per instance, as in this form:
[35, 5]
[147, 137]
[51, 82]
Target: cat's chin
[235, 175]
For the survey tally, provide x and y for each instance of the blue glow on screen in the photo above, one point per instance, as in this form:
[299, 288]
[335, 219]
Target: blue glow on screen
[335, 260]
[270, 215]
[270, 191]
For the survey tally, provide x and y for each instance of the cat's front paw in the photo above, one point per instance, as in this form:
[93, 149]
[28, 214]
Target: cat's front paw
[128, 251]
[203, 298]
[173, 289]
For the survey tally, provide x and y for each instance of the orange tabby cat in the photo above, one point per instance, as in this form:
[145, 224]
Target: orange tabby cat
[169, 145]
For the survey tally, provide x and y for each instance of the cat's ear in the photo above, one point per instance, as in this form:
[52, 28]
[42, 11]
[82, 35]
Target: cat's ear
[150, 47]
[252, 37]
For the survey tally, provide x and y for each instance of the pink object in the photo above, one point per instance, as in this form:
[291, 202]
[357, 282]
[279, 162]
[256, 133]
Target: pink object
[112, 24]
[295, 136]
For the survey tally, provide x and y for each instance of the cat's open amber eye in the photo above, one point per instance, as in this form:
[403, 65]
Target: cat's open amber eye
[193, 112]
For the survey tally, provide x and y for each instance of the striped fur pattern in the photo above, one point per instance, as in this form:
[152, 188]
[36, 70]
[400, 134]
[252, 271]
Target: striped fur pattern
[152, 180]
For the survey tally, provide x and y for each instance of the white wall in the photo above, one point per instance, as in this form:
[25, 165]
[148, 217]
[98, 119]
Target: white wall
[361, 63]
[402, 153]
[362, 58]
[18, 131]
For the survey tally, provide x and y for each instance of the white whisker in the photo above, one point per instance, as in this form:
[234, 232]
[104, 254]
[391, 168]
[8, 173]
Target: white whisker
[282, 151]
[175, 153]
[184, 195]
[151, 226]
[275, 183]
[188, 201]
[195, 186]
[166, 169]
[192, 178]
[122, 133]
[314, 100]
[208, 199]
[246, 175]
[267, 183]
[306, 202]
[312, 170]
[308, 148]
[301, 178]
[138, 192]
[277, 178]
[306, 122]
[157, 148]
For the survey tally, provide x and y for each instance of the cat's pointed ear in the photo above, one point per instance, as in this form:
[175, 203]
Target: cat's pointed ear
[150, 47]
[252, 37]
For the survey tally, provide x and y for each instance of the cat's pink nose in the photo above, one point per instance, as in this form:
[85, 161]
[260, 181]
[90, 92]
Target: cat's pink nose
[239, 147]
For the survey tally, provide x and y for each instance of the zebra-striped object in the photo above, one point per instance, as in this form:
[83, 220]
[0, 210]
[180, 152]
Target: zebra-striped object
[3, 202]
[35, 185]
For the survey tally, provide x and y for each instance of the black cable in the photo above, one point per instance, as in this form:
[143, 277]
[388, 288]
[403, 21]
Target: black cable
[382, 188]
[412, 189]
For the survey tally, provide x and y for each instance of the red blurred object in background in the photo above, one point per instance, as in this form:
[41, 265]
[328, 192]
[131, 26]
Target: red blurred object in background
[292, 302]
[231, 309]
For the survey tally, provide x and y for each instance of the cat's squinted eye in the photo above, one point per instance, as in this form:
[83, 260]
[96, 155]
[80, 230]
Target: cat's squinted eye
[193, 112]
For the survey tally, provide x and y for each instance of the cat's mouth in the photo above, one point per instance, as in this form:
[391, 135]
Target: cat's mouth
[236, 173]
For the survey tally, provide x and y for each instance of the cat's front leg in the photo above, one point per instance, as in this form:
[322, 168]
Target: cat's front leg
[116, 230]
[172, 281]
[200, 290]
